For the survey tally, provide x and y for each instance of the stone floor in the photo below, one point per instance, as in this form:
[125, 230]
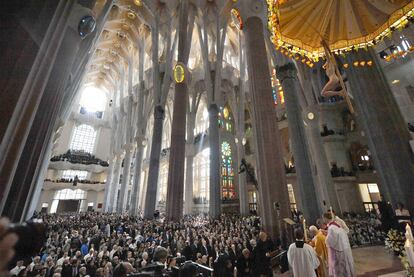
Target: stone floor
[376, 261]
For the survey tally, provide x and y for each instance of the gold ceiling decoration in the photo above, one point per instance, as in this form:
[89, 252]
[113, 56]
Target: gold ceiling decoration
[131, 15]
[138, 3]
[299, 26]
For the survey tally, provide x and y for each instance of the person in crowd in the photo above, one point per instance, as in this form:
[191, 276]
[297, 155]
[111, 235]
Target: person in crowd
[244, 264]
[261, 255]
[319, 244]
[387, 215]
[402, 214]
[302, 257]
[19, 267]
[341, 262]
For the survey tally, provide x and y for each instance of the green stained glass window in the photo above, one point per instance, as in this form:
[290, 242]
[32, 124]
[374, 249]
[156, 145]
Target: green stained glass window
[227, 172]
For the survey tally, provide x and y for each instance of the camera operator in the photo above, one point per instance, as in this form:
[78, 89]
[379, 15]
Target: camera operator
[7, 242]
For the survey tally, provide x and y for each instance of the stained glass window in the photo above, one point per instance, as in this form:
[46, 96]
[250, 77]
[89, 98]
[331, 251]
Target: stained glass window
[227, 173]
[277, 90]
[225, 119]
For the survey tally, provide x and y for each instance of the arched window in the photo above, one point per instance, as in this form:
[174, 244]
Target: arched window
[227, 173]
[201, 176]
[70, 174]
[69, 194]
[201, 123]
[226, 119]
[83, 138]
[162, 187]
[93, 99]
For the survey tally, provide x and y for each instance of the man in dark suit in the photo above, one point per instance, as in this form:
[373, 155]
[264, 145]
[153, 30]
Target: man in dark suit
[244, 264]
[261, 263]
[205, 249]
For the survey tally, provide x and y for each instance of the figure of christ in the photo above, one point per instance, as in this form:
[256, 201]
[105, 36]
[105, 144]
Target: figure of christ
[333, 86]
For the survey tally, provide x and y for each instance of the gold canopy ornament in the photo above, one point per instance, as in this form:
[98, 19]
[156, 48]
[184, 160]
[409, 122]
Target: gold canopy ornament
[298, 26]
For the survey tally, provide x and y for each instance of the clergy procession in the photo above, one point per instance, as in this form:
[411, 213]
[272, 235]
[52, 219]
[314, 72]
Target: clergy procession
[221, 138]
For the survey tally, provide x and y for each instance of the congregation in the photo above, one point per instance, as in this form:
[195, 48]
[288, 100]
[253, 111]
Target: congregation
[111, 245]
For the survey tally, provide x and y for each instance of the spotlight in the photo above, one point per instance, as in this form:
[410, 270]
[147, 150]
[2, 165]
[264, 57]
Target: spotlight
[362, 63]
[346, 65]
[356, 64]
[369, 63]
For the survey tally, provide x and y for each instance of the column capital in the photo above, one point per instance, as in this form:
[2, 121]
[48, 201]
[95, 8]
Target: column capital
[252, 8]
[286, 71]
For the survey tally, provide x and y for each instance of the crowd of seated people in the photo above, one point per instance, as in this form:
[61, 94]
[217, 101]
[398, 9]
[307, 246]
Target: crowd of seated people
[364, 229]
[79, 181]
[339, 171]
[79, 157]
[329, 132]
[112, 245]
[200, 200]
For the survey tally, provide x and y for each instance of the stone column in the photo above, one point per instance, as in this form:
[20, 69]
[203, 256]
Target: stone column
[139, 152]
[122, 200]
[270, 166]
[108, 183]
[244, 201]
[386, 131]
[189, 183]
[154, 164]
[214, 139]
[175, 189]
[287, 75]
[325, 188]
[115, 183]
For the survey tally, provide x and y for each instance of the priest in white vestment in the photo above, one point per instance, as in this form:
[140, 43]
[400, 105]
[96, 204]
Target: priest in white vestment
[302, 257]
[341, 262]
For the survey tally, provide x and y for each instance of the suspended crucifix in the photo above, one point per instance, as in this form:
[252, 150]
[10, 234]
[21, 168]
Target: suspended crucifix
[335, 85]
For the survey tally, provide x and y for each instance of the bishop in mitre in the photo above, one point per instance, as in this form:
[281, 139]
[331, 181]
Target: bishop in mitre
[302, 257]
[341, 262]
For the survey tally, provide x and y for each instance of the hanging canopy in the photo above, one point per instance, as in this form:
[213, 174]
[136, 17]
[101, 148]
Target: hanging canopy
[301, 25]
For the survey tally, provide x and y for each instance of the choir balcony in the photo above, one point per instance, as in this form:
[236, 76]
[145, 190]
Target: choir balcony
[67, 183]
[78, 160]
